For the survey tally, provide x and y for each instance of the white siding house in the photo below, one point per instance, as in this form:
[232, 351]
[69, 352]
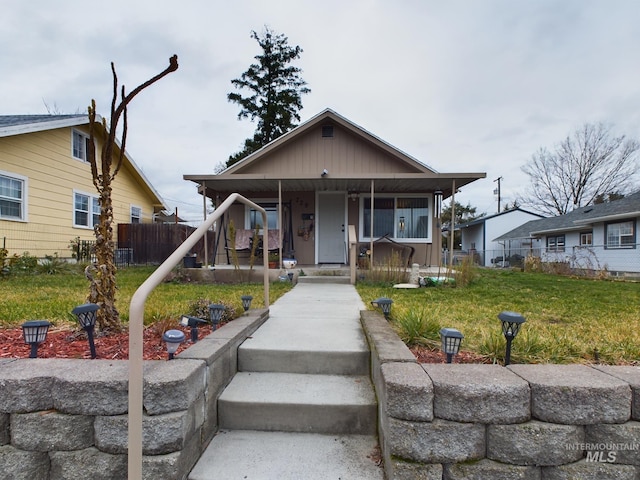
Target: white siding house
[478, 235]
[597, 237]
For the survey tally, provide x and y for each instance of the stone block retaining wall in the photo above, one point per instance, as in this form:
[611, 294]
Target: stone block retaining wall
[547, 422]
[67, 419]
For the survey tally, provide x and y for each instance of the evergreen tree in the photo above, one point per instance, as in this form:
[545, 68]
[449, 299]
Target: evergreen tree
[275, 92]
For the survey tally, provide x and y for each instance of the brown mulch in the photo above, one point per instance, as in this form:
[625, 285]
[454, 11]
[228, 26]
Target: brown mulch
[430, 355]
[68, 343]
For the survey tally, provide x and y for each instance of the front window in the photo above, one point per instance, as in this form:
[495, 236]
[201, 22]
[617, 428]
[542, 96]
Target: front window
[80, 146]
[86, 210]
[397, 217]
[253, 218]
[621, 235]
[12, 197]
[555, 243]
[136, 215]
[586, 239]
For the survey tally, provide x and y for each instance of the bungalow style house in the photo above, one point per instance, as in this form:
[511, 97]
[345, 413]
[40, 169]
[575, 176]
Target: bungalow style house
[477, 235]
[328, 174]
[597, 237]
[47, 197]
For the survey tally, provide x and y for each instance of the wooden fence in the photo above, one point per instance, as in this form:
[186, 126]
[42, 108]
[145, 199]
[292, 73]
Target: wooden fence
[152, 243]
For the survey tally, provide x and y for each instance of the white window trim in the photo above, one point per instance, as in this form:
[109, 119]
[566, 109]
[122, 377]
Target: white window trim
[620, 245]
[25, 195]
[73, 209]
[428, 239]
[131, 207]
[258, 201]
[86, 137]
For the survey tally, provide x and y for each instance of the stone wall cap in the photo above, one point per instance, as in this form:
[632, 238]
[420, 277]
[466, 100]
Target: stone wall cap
[566, 375]
[479, 375]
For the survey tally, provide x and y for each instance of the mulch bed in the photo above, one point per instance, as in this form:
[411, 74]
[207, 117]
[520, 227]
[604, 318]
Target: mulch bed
[66, 343]
[430, 355]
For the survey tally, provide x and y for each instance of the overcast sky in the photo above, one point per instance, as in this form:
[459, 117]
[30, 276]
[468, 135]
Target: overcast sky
[461, 85]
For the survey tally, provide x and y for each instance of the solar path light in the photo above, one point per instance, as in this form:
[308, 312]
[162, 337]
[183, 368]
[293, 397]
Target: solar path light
[86, 315]
[451, 340]
[384, 304]
[511, 322]
[215, 314]
[173, 339]
[246, 301]
[35, 332]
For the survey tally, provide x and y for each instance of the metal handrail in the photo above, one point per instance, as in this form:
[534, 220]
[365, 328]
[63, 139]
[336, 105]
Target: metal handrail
[136, 326]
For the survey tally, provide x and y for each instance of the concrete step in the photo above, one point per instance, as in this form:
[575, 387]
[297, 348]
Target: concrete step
[289, 456]
[294, 345]
[294, 402]
[340, 279]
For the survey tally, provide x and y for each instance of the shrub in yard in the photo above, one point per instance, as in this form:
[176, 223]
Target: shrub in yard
[22, 264]
[200, 309]
[417, 327]
[466, 272]
[52, 265]
[392, 270]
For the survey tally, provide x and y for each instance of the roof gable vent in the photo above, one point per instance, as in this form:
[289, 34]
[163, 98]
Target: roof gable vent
[327, 131]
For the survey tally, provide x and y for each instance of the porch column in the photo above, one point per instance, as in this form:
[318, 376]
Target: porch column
[452, 229]
[371, 227]
[204, 214]
[279, 222]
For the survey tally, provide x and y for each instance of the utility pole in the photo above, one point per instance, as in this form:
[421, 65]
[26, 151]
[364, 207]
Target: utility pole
[497, 191]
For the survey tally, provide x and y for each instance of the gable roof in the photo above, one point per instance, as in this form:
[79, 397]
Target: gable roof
[483, 219]
[416, 176]
[11, 125]
[578, 219]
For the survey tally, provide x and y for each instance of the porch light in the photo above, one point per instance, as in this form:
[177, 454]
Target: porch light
[451, 340]
[246, 301]
[86, 315]
[173, 339]
[215, 314]
[437, 203]
[384, 304]
[192, 323]
[511, 322]
[35, 332]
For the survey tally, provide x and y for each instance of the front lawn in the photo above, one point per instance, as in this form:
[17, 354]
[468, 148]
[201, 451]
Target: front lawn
[52, 297]
[568, 320]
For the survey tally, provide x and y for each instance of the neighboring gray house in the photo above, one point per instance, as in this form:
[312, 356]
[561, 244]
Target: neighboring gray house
[477, 234]
[596, 237]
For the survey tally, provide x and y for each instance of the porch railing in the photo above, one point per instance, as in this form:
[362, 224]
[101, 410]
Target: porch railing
[136, 326]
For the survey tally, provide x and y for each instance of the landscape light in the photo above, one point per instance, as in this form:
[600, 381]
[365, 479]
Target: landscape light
[35, 332]
[384, 304]
[215, 314]
[173, 339]
[511, 322]
[451, 340]
[86, 315]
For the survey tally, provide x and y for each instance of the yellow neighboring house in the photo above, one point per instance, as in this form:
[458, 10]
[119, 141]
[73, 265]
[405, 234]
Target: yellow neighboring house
[47, 197]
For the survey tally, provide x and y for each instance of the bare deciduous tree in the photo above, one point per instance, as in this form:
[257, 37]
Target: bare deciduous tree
[102, 275]
[587, 165]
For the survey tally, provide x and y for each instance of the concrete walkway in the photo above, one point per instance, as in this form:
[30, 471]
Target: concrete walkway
[302, 404]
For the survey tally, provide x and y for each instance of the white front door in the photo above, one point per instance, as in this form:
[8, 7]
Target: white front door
[331, 228]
